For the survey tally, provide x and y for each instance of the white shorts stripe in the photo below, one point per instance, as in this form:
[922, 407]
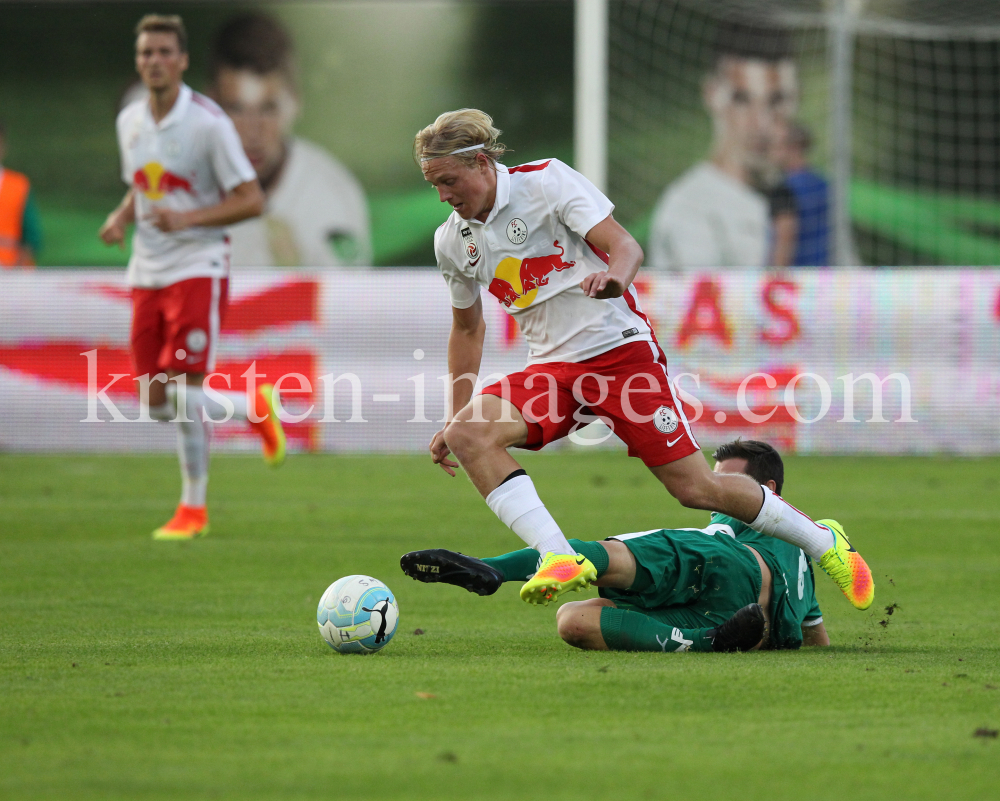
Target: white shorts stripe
[213, 325]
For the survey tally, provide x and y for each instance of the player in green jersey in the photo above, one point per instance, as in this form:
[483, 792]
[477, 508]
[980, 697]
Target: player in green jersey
[672, 589]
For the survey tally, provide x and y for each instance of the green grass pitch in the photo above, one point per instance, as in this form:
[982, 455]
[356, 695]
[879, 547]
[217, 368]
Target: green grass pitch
[133, 669]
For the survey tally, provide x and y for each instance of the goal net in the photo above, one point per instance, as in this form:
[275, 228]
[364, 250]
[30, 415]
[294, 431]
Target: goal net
[895, 104]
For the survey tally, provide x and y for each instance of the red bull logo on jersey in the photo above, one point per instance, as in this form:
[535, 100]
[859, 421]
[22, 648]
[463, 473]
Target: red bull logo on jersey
[516, 281]
[155, 182]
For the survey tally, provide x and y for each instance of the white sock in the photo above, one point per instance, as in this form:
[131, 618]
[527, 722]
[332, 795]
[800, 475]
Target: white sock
[215, 406]
[778, 518]
[517, 505]
[192, 449]
[164, 412]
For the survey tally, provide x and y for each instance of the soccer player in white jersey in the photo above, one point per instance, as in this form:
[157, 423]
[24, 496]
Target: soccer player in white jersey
[541, 238]
[188, 177]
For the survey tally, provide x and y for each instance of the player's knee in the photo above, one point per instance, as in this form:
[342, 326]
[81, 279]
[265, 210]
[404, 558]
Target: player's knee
[691, 495]
[573, 627]
[463, 437]
[467, 437]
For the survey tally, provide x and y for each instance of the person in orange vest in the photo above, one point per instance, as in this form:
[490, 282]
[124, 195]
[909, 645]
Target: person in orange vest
[20, 229]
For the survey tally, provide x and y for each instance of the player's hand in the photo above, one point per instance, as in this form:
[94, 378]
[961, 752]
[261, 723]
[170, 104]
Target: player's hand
[439, 453]
[603, 285]
[168, 220]
[113, 231]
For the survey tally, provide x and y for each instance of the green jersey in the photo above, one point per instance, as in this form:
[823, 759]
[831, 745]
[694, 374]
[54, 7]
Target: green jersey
[793, 590]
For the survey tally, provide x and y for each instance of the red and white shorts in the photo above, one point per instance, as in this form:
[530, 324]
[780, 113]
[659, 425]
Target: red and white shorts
[628, 388]
[177, 327]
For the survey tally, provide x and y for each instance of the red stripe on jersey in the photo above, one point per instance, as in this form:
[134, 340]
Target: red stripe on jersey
[205, 102]
[630, 300]
[597, 251]
[529, 167]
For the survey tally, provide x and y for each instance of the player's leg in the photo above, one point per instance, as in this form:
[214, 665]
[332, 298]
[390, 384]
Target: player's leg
[654, 427]
[194, 435]
[692, 483]
[479, 437]
[597, 624]
[613, 564]
[259, 405]
[191, 314]
[148, 344]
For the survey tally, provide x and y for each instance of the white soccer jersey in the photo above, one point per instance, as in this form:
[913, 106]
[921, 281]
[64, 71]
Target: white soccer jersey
[316, 216]
[532, 254]
[706, 218]
[188, 160]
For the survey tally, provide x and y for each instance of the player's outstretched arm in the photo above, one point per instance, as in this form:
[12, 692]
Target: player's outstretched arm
[113, 230]
[624, 260]
[242, 202]
[465, 355]
[815, 635]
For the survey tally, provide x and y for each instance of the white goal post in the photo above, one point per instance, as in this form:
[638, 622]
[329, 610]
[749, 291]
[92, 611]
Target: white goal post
[590, 109]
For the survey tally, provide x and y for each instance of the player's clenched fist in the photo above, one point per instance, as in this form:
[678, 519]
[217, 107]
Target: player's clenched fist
[113, 231]
[602, 285]
[168, 220]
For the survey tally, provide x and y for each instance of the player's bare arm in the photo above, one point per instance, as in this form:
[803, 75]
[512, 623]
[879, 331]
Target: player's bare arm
[624, 260]
[815, 635]
[113, 230]
[242, 202]
[465, 354]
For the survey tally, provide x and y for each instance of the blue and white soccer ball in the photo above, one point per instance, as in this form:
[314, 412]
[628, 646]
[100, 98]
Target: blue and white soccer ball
[357, 615]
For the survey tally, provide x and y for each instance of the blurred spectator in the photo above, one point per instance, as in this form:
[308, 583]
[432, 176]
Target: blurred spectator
[713, 215]
[812, 195]
[20, 225]
[316, 214]
[784, 215]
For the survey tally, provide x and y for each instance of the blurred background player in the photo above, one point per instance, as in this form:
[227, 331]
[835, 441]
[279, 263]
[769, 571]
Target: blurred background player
[660, 588]
[541, 238]
[180, 154]
[20, 225]
[315, 213]
[719, 212]
[792, 144]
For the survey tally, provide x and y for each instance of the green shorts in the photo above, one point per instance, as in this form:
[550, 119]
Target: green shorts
[690, 579]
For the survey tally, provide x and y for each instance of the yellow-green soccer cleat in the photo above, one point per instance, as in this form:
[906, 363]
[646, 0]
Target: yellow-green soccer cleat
[272, 435]
[558, 573]
[845, 566]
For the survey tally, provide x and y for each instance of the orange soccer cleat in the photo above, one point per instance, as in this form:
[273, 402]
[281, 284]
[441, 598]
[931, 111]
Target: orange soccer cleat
[846, 567]
[187, 523]
[557, 574]
[272, 435]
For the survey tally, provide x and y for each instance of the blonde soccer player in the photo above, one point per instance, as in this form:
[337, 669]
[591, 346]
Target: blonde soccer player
[544, 243]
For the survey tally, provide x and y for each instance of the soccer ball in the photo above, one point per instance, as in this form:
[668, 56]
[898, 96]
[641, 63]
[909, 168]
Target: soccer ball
[357, 615]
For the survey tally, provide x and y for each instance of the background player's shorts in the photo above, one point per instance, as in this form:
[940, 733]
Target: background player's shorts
[695, 579]
[177, 327]
[627, 387]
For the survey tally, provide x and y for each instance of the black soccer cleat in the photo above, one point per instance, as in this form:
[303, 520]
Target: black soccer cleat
[742, 631]
[451, 567]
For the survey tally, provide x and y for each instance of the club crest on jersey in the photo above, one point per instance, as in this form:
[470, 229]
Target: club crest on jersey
[665, 419]
[471, 248]
[517, 231]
